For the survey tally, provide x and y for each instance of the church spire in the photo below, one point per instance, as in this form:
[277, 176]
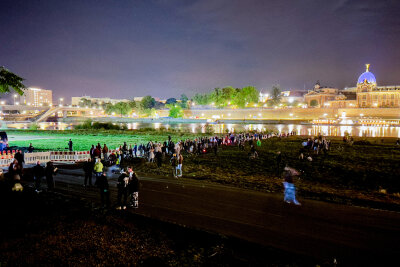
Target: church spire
[367, 66]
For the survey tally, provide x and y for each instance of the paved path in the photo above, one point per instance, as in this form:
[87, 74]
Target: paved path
[318, 229]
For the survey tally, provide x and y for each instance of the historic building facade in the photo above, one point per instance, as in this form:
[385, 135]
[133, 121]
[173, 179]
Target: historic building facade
[367, 94]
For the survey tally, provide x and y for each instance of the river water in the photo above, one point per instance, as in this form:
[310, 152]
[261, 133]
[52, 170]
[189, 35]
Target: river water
[300, 129]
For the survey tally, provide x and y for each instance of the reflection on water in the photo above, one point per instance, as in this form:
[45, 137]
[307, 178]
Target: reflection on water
[300, 129]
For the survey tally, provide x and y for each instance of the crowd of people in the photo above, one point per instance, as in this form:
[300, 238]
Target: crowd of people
[158, 153]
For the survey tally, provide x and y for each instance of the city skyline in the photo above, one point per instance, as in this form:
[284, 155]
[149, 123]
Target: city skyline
[166, 48]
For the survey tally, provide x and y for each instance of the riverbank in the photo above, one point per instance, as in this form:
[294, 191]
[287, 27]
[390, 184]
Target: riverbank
[364, 173]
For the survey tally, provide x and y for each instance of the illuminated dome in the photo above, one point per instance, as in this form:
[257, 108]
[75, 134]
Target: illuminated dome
[369, 76]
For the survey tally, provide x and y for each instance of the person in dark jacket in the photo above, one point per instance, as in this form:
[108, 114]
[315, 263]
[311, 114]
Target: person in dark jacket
[38, 173]
[102, 184]
[133, 188]
[49, 172]
[88, 169]
[123, 187]
[70, 145]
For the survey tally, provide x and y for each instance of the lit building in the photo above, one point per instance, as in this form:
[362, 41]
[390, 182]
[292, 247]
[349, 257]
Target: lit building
[320, 96]
[36, 97]
[371, 95]
[76, 101]
[367, 94]
[292, 96]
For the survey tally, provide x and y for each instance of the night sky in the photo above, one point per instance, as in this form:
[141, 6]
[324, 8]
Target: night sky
[126, 48]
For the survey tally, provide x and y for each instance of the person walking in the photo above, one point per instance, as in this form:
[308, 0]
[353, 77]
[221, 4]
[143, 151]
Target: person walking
[123, 187]
[174, 164]
[70, 145]
[135, 149]
[98, 168]
[102, 184]
[133, 188]
[49, 172]
[179, 167]
[38, 173]
[290, 189]
[88, 170]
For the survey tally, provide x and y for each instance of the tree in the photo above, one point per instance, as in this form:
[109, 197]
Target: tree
[132, 104]
[184, 99]
[313, 103]
[175, 111]
[276, 94]
[170, 101]
[147, 102]
[9, 80]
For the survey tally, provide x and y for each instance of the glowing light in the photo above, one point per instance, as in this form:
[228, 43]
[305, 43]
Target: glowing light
[290, 114]
[259, 114]
[325, 114]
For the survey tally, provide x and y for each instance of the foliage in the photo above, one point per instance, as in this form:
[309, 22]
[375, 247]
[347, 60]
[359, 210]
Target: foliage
[228, 96]
[9, 80]
[313, 103]
[276, 94]
[120, 108]
[147, 103]
[89, 124]
[34, 126]
[170, 101]
[175, 111]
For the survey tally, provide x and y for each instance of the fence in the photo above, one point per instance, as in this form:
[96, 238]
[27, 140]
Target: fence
[44, 157]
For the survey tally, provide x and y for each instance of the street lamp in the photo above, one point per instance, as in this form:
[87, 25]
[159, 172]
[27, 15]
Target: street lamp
[61, 100]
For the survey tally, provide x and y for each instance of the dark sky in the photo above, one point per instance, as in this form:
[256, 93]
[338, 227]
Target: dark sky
[126, 48]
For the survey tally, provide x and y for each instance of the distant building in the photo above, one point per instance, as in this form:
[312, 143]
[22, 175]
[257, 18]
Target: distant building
[320, 96]
[36, 97]
[293, 96]
[76, 101]
[367, 94]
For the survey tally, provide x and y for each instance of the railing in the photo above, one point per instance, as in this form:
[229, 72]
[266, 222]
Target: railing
[44, 157]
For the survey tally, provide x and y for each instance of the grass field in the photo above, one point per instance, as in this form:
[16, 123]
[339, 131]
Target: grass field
[83, 139]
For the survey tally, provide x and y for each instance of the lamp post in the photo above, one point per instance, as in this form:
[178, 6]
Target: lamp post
[61, 100]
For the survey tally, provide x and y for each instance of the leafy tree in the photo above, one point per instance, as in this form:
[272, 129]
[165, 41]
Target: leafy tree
[276, 94]
[175, 111]
[170, 101]
[313, 103]
[245, 95]
[184, 99]
[132, 104]
[147, 103]
[122, 108]
[9, 80]
[202, 99]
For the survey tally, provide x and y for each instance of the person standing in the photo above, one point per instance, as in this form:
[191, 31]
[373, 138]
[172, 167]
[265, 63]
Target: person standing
[38, 173]
[102, 184]
[49, 172]
[105, 152]
[174, 164]
[88, 169]
[133, 188]
[30, 148]
[135, 149]
[123, 187]
[179, 167]
[98, 168]
[70, 145]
